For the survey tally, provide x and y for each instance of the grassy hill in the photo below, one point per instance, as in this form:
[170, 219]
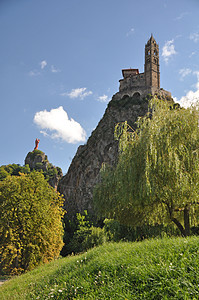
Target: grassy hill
[153, 269]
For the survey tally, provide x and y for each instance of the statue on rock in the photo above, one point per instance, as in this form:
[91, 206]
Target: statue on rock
[36, 144]
[38, 160]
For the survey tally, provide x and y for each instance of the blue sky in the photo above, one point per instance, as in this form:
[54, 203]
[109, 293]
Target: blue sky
[61, 60]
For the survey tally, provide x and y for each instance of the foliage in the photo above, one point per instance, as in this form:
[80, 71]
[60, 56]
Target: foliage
[70, 226]
[156, 179]
[80, 234]
[52, 173]
[49, 171]
[152, 269]
[34, 153]
[119, 232]
[95, 238]
[127, 102]
[30, 222]
[13, 169]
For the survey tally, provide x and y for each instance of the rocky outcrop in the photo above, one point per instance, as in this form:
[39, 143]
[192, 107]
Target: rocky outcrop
[77, 185]
[38, 160]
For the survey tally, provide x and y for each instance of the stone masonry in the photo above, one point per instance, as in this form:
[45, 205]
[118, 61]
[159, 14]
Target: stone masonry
[135, 84]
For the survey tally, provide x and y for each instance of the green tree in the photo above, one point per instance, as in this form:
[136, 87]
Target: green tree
[30, 222]
[13, 169]
[156, 179]
[80, 234]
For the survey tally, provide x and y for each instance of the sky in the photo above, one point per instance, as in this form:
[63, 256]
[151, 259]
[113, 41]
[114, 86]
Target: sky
[61, 61]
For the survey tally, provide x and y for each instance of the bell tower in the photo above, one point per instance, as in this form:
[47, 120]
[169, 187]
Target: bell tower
[152, 67]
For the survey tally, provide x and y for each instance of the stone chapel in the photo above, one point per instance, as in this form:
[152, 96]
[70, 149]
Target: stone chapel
[135, 84]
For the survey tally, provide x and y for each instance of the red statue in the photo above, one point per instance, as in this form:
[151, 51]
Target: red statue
[36, 144]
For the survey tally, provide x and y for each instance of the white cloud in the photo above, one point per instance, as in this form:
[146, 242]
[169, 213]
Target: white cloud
[168, 50]
[131, 31]
[191, 97]
[181, 16]
[184, 72]
[34, 73]
[103, 98]
[78, 93]
[54, 69]
[56, 124]
[43, 64]
[194, 37]
[192, 53]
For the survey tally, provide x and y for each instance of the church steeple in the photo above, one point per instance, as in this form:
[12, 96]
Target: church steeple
[151, 68]
[136, 84]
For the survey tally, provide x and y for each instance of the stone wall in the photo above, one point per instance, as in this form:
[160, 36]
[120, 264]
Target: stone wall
[132, 82]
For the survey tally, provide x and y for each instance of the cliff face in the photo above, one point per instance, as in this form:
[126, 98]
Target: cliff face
[77, 185]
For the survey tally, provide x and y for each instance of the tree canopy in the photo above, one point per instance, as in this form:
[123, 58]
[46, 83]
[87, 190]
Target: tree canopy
[156, 179]
[30, 222]
[13, 169]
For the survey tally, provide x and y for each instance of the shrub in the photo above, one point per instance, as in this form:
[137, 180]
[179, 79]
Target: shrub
[30, 222]
[95, 238]
[80, 234]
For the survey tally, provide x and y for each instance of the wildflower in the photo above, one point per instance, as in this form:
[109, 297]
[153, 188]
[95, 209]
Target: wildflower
[60, 291]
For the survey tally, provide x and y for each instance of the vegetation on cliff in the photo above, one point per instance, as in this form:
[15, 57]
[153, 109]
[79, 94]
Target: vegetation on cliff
[156, 178]
[38, 160]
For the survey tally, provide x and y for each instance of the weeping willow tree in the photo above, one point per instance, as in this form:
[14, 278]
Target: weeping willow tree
[156, 179]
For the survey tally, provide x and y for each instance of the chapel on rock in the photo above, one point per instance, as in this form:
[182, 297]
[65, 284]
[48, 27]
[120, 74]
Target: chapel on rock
[135, 84]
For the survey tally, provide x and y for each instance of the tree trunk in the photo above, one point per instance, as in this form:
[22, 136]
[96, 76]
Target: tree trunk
[179, 225]
[186, 221]
[176, 222]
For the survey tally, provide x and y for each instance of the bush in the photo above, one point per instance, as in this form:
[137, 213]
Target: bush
[30, 222]
[95, 238]
[80, 234]
[117, 232]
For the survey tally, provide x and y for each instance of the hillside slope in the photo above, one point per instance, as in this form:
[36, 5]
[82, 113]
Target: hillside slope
[155, 269]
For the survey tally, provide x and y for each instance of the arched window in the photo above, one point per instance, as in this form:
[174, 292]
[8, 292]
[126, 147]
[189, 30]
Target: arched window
[125, 97]
[136, 95]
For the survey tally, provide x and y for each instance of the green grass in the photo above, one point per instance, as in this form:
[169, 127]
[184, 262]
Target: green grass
[154, 269]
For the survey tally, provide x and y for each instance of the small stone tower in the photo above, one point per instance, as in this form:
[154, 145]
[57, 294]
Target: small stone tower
[152, 67]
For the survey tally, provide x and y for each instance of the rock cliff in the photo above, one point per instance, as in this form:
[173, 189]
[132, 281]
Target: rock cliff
[38, 160]
[77, 185]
